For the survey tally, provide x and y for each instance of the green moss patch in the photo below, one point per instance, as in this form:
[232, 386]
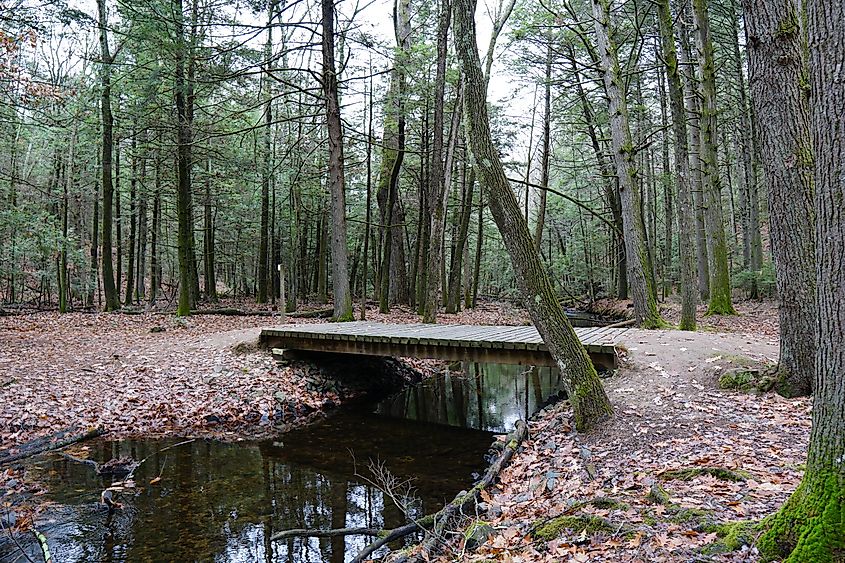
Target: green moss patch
[690, 473]
[587, 523]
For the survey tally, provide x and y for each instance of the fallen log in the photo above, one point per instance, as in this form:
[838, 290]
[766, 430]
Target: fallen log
[50, 445]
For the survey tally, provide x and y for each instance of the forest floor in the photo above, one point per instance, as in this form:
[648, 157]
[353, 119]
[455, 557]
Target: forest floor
[679, 459]
[151, 374]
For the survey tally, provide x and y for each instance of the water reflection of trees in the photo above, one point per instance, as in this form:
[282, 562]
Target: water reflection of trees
[484, 396]
[222, 502]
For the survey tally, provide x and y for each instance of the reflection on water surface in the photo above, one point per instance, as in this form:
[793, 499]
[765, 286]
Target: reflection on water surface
[222, 501]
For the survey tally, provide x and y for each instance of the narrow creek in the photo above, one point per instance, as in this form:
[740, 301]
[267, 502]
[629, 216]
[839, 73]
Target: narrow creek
[222, 501]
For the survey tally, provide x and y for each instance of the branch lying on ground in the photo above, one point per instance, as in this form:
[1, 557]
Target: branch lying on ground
[52, 445]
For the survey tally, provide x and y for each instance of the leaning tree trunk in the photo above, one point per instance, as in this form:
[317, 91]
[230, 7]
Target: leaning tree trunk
[546, 158]
[811, 525]
[720, 278]
[640, 271]
[682, 172]
[589, 401]
[778, 75]
[342, 295]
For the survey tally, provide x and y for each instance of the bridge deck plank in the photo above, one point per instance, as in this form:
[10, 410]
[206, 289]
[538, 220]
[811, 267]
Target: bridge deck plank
[363, 337]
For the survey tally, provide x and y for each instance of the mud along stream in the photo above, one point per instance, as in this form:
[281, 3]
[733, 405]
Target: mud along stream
[220, 501]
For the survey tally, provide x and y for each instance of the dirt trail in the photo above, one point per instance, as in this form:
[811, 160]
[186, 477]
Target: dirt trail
[669, 415]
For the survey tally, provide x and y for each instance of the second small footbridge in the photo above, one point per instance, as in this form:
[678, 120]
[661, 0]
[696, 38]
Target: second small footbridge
[474, 343]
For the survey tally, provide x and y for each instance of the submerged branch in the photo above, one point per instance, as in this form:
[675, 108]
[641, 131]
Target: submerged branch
[312, 533]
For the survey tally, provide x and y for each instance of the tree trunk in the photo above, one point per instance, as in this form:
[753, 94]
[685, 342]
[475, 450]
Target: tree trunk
[133, 226]
[155, 267]
[547, 146]
[112, 297]
[93, 265]
[682, 171]
[640, 271]
[810, 526]
[141, 267]
[720, 279]
[453, 302]
[185, 235]
[267, 164]
[694, 111]
[778, 74]
[210, 277]
[396, 281]
[118, 223]
[589, 401]
[342, 296]
[64, 286]
[368, 123]
[479, 248]
[437, 187]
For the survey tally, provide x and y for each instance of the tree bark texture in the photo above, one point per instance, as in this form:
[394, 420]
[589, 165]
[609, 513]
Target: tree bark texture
[778, 80]
[109, 288]
[640, 271]
[811, 525]
[342, 296]
[589, 401]
[720, 279]
[686, 221]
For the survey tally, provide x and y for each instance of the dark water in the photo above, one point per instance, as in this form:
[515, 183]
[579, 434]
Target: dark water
[221, 502]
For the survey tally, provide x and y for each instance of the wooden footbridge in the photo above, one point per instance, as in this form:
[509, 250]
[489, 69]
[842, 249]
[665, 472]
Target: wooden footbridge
[493, 344]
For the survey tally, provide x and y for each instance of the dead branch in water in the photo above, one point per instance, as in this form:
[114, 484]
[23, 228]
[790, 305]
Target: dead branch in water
[434, 524]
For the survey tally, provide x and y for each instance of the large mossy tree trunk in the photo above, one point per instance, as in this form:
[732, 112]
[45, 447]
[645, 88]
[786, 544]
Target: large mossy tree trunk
[778, 73]
[720, 278]
[640, 269]
[341, 293]
[686, 218]
[589, 400]
[811, 525]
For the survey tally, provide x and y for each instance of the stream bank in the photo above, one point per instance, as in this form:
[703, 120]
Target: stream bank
[214, 500]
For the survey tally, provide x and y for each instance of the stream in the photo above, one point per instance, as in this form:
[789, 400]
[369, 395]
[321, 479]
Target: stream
[220, 501]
